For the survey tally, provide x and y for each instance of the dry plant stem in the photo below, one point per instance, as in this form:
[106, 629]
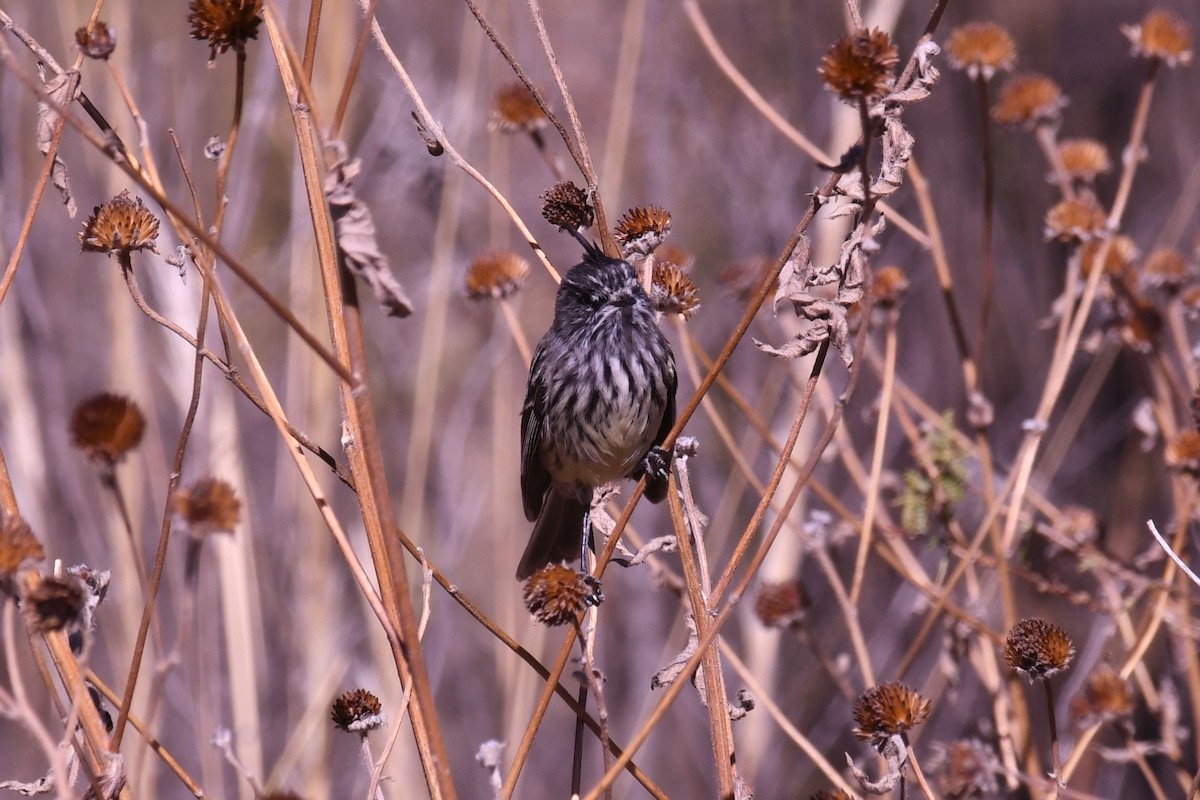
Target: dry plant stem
[108, 479]
[853, 15]
[514, 327]
[1059, 779]
[363, 448]
[310, 38]
[586, 645]
[577, 749]
[624, 85]
[360, 47]
[862, 655]
[1139, 758]
[719, 725]
[368, 760]
[916, 768]
[985, 303]
[881, 426]
[1046, 135]
[435, 131]
[707, 38]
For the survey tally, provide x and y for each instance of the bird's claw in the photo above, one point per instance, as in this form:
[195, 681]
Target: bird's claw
[656, 464]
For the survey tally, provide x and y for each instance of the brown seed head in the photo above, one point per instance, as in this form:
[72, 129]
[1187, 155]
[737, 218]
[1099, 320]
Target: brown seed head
[98, 42]
[565, 206]
[1083, 159]
[1078, 219]
[282, 796]
[1163, 35]
[107, 426]
[886, 710]
[1105, 698]
[967, 770]
[18, 546]
[1167, 269]
[642, 229]
[834, 794]
[860, 66]
[672, 291]
[981, 48]
[54, 603]
[1038, 648]
[1190, 297]
[780, 605]
[225, 24]
[1182, 453]
[890, 285]
[210, 505]
[516, 111]
[1118, 258]
[1029, 100]
[555, 595]
[358, 711]
[496, 275]
[121, 225]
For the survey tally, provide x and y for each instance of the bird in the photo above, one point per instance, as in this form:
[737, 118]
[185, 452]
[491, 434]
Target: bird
[599, 404]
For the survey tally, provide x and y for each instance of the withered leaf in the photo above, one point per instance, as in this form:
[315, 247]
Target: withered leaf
[62, 90]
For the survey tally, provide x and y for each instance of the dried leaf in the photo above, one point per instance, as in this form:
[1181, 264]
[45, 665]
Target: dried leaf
[62, 91]
[354, 229]
[793, 279]
[823, 320]
[670, 673]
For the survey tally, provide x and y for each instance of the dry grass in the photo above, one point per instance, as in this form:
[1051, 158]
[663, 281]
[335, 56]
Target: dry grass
[968, 425]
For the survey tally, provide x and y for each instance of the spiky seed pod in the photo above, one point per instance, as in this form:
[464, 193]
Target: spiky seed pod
[1038, 648]
[672, 291]
[121, 225]
[556, 595]
[225, 24]
[1118, 259]
[566, 206]
[1182, 453]
[1105, 698]
[642, 229]
[1029, 100]
[1166, 268]
[886, 710]
[981, 48]
[1161, 34]
[210, 505]
[515, 110]
[1084, 159]
[780, 605]
[1078, 219]
[495, 275]
[54, 603]
[98, 43]
[860, 66]
[357, 711]
[107, 426]
[889, 284]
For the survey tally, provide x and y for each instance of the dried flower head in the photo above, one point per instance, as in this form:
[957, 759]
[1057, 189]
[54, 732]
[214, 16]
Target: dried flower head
[966, 769]
[1038, 648]
[1163, 35]
[1182, 453]
[780, 605]
[210, 505]
[282, 796]
[1105, 698]
[358, 711]
[516, 111]
[566, 206]
[555, 595]
[860, 66]
[835, 794]
[886, 710]
[121, 225]
[1190, 297]
[496, 275]
[225, 24]
[981, 48]
[107, 426]
[1083, 159]
[1077, 219]
[99, 42]
[642, 229]
[1118, 255]
[18, 546]
[743, 278]
[54, 603]
[1029, 100]
[1167, 269]
[672, 291]
[890, 284]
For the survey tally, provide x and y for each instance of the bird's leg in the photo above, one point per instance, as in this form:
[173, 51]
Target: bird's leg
[656, 464]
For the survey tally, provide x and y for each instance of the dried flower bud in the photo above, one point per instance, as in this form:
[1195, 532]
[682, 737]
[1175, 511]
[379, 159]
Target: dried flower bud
[107, 426]
[1163, 35]
[1038, 648]
[566, 206]
[282, 796]
[860, 66]
[981, 48]
[966, 769]
[1083, 159]
[556, 595]
[1167, 269]
[516, 111]
[225, 24]
[358, 711]
[835, 794]
[672, 291]
[1078, 219]
[54, 603]
[18, 546]
[1183, 453]
[1029, 100]
[890, 284]
[210, 505]
[495, 275]
[121, 225]
[886, 710]
[1105, 698]
[780, 605]
[99, 42]
[1118, 255]
[641, 230]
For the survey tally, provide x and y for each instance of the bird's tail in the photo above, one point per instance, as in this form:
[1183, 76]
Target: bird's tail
[557, 534]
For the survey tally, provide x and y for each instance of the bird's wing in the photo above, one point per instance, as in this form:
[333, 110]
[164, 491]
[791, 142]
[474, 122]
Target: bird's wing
[535, 480]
